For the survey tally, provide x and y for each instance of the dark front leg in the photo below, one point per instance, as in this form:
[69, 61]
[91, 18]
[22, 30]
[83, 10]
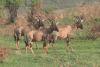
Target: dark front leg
[36, 45]
[16, 44]
[48, 45]
[54, 39]
[44, 46]
[68, 42]
[53, 47]
[31, 48]
[27, 43]
[25, 50]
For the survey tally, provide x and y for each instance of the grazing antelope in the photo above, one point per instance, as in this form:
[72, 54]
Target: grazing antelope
[39, 35]
[21, 30]
[65, 32]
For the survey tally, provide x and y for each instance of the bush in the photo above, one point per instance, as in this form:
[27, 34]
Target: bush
[4, 53]
[2, 13]
[49, 10]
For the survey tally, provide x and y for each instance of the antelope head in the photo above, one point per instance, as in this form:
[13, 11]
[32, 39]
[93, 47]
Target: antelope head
[79, 22]
[40, 21]
[53, 25]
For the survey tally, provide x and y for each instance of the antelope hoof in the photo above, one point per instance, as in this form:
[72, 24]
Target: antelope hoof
[18, 48]
[67, 50]
[29, 48]
[55, 51]
[47, 51]
[38, 48]
[42, 53]
[34, 54]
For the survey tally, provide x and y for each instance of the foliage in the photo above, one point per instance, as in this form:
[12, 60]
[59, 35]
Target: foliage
[2, 2]
[49, 10]
[34, 6]
[11, 3]
[1, 9]
[2, 13]
[36, 9]
[94, 20]
[12, 7]
[34, 2]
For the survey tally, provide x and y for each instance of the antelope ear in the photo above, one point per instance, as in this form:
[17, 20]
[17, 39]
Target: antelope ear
[78, 21]
[50, 23]
[57, 23]
[81, 21]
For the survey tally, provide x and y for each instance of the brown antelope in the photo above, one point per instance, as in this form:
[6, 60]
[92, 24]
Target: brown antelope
[21, 30]
[65, 32]
[39, 35]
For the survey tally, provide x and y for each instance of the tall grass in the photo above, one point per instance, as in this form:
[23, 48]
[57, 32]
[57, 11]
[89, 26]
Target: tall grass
[86, 54]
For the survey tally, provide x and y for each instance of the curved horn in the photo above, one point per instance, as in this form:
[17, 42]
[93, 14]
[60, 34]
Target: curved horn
[76, 17]
[50, 20]
[79, 18]
[53, 20]
[39, 17]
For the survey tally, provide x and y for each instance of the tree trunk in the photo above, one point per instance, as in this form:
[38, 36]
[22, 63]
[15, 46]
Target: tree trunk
[13, 13]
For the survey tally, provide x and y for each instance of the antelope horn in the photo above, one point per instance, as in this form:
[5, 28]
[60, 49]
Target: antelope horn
[76, 17]
[50, 20]
[79, 18]
[39, 17]
[53, 20]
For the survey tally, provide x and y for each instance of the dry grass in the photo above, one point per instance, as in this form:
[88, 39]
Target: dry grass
[90, 11]
[86, 11]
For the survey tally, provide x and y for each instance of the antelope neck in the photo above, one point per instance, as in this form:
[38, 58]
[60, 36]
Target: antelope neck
[37, 26]
[50, 30]
[74, 27]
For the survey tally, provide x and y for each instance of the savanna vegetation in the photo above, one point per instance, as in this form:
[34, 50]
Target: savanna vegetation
[84, 49]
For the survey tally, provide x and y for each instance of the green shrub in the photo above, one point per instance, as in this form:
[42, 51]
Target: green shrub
[49, 10]
[2, 13]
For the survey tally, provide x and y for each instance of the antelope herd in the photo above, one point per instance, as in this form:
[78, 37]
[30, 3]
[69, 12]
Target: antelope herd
[21, 30]
[32, 34]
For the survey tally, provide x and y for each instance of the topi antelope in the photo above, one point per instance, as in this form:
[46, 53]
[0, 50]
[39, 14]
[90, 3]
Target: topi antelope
[65, 32]
[21, 30]
[39, 35]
